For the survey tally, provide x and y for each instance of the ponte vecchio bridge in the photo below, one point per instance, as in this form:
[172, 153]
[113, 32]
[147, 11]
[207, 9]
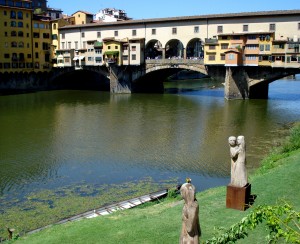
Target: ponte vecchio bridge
[246, 51]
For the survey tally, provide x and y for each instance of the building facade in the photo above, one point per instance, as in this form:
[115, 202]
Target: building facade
[16, 52]
[41, 41]
[111, 15]
[235, 39]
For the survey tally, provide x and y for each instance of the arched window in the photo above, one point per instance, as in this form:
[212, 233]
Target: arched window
[12, 14]
[14, 57]
[13, 23]
[14, 44]
[21, 44]
[20, 15]
[13, 33]
[20, 24]
[20, 33]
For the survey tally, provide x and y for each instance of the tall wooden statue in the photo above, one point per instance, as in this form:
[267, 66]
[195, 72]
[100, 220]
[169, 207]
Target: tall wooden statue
[238, 191]
[190, 231]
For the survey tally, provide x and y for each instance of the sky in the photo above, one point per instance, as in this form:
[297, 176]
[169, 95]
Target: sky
[145, 9]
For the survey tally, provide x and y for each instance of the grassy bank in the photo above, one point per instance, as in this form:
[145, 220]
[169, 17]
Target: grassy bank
[277, 180]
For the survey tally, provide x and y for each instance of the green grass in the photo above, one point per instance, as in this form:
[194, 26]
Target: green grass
[277, 180]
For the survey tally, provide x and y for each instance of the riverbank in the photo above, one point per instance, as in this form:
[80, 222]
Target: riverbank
[277, 180]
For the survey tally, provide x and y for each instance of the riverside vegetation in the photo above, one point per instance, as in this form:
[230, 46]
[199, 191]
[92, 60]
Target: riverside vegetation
[273, 217]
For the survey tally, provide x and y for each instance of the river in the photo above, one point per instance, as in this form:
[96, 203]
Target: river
[77, 143]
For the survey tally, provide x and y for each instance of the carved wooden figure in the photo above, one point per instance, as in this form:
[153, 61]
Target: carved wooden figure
[190, 231]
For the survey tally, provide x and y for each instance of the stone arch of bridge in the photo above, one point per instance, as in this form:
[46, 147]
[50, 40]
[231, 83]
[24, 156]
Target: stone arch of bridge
[177, 67]
[87, 78]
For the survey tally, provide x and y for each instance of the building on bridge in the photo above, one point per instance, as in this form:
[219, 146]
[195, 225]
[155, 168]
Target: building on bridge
[185, 37]
[252, 49]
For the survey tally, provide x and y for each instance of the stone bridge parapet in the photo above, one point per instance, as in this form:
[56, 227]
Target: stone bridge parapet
[190, 64]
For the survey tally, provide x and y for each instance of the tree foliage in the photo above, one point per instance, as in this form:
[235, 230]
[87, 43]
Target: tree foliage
[282, 221]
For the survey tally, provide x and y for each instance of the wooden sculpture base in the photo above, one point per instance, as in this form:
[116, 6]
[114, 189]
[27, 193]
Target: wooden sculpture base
[238, 197]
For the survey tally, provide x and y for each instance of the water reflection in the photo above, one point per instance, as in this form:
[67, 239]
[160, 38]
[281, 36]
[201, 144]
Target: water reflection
[57, 138]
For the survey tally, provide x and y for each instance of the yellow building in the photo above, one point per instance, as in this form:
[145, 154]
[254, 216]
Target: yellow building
[112, 51]
[239, 49]
[265, 49]
[15, 36]
[211, 52]
[55, 45]
[83, 17]
[41, 41]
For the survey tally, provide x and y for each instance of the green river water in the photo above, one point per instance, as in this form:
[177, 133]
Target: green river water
[64, 152]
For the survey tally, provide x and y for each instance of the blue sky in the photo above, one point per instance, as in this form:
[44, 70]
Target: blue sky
[141, 9]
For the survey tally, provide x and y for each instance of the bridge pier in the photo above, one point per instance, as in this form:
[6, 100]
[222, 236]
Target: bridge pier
[120, 79]
[236, 83]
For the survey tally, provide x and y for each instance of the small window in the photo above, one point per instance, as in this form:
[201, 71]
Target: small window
[20, 15]
[36, 44]
[98, 34]
[245, 28]
[261, 47]
[211, 57]
[298, 26]
[267, 48]
[20, 24]
[272, 27]
[231, 56]
[212, 47]
[133, 56]
[174, 31]
[54, 27]
[82, 34]
[12, 14]
[154, 31]
[116, 33]
[63, 36]
[196, 29]
[224, 46]
[134, 32]
[220, 29]
[133, 48]
[116, 47]
[251, 37]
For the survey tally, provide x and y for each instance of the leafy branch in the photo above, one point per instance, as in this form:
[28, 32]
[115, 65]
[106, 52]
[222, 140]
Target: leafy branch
[282, 221]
